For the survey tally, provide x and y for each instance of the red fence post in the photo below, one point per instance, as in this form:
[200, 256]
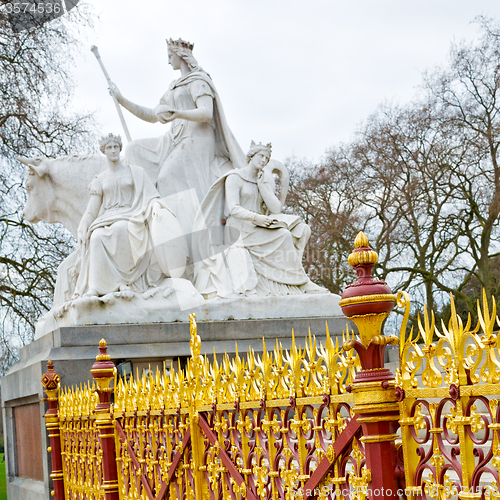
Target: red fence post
[51, 381]
[103, 371]
[368, 302]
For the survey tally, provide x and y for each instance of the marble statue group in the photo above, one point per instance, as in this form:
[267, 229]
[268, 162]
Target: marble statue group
[187, 214]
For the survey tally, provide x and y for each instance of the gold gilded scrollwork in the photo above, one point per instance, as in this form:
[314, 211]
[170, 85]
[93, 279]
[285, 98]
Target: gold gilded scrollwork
[360, 477]
[456, 356]
[456, 418]
[328, 373]
[490, 371]
[457, 367]
[349, 360]
[290, 478]
[439, 491]
[80, 448]
[274, 414]
[241, 489]
[271, 414]
[403, 300]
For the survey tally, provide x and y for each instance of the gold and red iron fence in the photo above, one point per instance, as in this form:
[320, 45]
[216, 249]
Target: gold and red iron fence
[318, 422]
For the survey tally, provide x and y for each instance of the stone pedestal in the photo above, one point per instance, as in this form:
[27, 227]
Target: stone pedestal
[73, 351]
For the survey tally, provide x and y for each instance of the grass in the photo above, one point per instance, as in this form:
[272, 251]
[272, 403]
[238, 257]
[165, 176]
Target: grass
[3, 484]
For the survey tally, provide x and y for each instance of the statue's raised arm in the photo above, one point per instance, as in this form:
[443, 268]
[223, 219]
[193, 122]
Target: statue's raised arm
[197, 148]
[142, 112]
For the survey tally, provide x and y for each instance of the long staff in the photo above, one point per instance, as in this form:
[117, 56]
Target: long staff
[117, 104]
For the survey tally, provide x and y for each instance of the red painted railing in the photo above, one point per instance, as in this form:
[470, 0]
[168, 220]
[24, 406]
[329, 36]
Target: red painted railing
[319, 422]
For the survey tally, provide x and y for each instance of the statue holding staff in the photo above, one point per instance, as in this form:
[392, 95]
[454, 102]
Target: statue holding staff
[183, 218]
[199, 146]
[95, 51]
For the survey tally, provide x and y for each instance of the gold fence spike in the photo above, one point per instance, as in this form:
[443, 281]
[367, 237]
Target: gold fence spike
[486, 320]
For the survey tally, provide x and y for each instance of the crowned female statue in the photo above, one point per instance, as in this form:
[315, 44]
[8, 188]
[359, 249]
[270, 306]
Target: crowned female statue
[258, 251]
[122, 240]
[199, 146]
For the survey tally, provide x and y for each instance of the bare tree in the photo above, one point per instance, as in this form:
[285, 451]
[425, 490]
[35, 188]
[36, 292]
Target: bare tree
[394, 182]
[468, 92]
[422, 180]
[404, 162]
[322, 196]
[36, 90]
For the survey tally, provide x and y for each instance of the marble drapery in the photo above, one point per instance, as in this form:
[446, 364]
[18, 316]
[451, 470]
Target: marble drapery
[191, 155]
[240, 256]
[119, 250]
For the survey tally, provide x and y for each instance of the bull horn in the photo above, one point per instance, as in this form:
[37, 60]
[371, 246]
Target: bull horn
[33, 164]
[26, 161]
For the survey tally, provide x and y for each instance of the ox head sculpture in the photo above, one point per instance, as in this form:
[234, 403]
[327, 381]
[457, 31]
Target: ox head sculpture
[34, 211]
[35, 165]
[57, 188]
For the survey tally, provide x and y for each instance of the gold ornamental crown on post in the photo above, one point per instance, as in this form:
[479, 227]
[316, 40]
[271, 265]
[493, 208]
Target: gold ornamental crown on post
[50, 379]
[362, 253]
[103, 351]
[368, 301]
[103, 371]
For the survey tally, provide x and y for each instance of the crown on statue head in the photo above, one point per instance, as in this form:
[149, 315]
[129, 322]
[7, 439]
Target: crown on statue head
[180, 44]
[260, 146]
[110, 138]
[255, 148]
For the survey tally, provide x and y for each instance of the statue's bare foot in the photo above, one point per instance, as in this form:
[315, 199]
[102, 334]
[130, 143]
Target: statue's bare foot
[311, 287]
[108, 299]
[125, 292]
[150, 293]
[89, 299]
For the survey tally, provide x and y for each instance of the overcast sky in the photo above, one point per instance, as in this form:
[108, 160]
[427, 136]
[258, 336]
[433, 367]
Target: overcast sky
[302, 75]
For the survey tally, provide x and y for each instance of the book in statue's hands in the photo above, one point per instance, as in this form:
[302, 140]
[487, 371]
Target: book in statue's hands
[283, 220]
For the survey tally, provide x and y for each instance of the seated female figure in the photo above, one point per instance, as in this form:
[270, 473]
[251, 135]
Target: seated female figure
[274, 242]
[116, 246]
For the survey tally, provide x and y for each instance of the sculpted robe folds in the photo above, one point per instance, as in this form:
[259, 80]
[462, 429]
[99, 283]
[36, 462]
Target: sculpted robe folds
[260, 260]
[176, 222]
[119, 249]
[191, 155]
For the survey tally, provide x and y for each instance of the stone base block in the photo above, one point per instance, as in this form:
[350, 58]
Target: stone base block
[27, 489]
[177, 302]
[73, 349]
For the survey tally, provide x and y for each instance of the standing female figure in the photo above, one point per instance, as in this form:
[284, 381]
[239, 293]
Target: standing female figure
[198, 148]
